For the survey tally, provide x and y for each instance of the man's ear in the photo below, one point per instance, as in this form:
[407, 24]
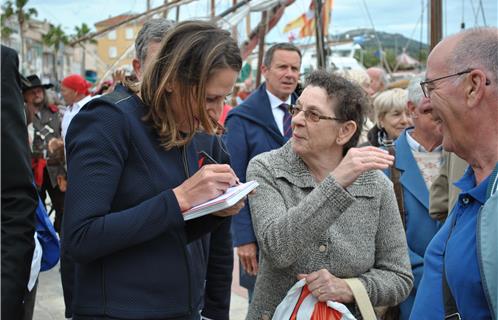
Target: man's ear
[264, 70]
[346, 131]
[474, 87]
[137, 67]
[411, 107]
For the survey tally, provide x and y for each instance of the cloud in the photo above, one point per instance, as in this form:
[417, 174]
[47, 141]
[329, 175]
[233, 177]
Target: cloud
[387, 15]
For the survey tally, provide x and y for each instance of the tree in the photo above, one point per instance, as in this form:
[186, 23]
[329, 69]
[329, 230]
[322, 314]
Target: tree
[6, 30]
[54, 38]
[82, 31]
[23, 16]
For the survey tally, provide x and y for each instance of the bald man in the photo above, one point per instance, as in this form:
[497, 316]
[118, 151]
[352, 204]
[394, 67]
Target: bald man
[378, 80]
[462, 75]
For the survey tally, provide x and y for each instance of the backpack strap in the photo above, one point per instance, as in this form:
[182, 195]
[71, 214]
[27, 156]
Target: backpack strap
[493, 183]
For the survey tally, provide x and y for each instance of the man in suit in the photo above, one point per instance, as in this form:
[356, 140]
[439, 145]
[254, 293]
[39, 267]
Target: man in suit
[19, 199]
[261, 123]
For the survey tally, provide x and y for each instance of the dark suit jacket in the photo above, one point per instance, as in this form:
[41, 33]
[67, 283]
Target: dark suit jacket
[250, 130]
[19, 197]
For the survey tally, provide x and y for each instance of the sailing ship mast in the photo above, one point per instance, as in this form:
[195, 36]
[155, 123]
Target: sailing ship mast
[435, 23]
[321, 57]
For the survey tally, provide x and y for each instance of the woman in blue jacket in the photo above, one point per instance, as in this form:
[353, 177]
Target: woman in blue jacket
[133, 169]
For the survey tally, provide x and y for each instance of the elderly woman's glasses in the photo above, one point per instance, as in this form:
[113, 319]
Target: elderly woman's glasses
[310, 115]
[427, 85]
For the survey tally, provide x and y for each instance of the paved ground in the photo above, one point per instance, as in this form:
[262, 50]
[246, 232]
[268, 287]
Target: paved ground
[50, 303]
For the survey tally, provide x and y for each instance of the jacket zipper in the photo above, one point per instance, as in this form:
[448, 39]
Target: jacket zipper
[187, 175]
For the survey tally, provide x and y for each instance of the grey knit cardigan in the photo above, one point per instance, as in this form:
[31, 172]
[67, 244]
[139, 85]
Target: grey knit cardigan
[303, 226]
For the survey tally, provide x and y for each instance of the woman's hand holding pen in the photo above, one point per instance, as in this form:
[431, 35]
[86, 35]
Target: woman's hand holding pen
[207, 183]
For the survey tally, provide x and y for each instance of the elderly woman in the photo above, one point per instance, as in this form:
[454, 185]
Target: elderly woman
[323, 210]
[391, 116]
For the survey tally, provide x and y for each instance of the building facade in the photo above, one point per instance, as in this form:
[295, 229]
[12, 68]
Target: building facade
[115, 48]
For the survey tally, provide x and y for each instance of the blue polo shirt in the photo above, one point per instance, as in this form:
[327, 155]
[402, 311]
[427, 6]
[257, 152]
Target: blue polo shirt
[462, 270]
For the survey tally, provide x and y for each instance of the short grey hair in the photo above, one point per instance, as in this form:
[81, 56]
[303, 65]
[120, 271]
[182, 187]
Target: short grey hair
[415, 92]
[477, 47]
[152, 31]
[358, 76]
[351, 102]
[382, 74]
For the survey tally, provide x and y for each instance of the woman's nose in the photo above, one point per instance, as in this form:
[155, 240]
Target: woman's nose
[405, 119]
[298, 119]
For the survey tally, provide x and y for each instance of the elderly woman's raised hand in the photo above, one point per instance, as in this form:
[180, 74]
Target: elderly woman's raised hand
[207, 183]
[359, 160]
[324, 286]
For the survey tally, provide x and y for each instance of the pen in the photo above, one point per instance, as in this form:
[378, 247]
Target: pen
[209, 160]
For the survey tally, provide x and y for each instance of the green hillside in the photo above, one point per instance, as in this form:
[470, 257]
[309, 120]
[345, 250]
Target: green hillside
[392, 44]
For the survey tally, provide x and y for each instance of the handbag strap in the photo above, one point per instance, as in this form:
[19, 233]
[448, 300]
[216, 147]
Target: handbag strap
[395, 175]
[362, 300]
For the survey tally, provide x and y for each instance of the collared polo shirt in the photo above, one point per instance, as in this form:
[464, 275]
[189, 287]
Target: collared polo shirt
[461, 263]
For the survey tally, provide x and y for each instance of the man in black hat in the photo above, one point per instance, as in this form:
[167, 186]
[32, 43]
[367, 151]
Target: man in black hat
[46, 121]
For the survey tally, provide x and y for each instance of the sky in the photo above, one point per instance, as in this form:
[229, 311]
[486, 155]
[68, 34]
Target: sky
[395, 16]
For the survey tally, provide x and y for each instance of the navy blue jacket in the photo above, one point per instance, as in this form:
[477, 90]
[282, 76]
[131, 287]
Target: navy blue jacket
[250, 130]
[122, 222]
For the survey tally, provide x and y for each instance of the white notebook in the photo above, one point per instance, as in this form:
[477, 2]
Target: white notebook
[226, 200]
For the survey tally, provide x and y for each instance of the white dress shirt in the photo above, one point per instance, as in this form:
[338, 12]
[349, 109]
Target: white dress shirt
[71, 111]
[278, 114]
[415, 146]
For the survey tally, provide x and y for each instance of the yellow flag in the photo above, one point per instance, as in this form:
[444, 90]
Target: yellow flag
[296, 23]
[306, 21]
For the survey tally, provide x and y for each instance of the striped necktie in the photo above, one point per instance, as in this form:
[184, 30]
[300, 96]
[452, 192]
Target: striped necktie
[286, 120]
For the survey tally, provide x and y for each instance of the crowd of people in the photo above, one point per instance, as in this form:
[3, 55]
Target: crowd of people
[356, 192]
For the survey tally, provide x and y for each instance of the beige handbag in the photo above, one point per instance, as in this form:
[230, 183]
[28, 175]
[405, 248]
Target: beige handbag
[361, 298]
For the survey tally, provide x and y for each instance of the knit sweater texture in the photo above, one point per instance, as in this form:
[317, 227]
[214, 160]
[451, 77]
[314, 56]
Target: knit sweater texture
[303, 226]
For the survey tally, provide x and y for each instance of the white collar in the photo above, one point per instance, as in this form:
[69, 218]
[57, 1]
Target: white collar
[79, 104]
[415, 146]
[276, 102]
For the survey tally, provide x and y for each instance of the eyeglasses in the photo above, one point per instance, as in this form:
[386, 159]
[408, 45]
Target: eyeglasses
[310, 115]
[427, 88]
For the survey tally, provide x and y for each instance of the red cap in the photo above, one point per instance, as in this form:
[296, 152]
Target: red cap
[77, 83]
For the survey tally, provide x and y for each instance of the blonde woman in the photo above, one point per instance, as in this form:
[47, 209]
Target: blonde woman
[391, 116]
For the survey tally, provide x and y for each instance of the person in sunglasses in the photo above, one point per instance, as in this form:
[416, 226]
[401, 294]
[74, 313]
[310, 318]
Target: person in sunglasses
[324, 211]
